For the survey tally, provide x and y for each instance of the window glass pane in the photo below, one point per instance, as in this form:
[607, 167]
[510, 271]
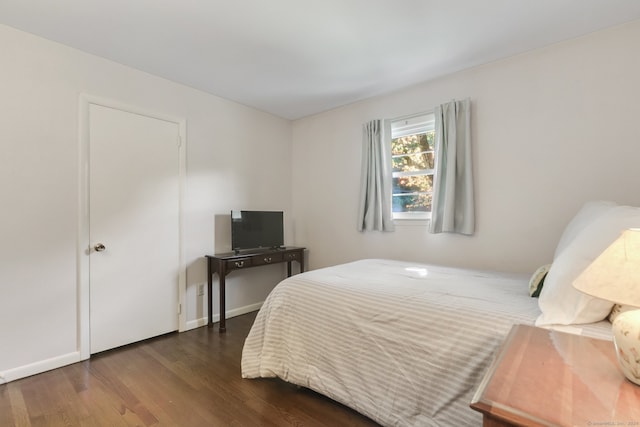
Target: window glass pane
[412, 184]
[412, 203]
[412, 193]
[413, 162]
[410, 144]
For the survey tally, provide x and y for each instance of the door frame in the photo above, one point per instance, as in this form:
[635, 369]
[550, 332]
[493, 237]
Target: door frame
[83, 243]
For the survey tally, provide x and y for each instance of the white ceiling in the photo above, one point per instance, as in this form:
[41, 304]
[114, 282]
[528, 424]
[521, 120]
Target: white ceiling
[294, 58]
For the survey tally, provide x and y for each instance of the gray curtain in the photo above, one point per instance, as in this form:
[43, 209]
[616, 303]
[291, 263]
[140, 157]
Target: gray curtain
[374, 211]
[452, 207]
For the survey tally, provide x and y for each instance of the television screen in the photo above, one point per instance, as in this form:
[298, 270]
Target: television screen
[256, 229]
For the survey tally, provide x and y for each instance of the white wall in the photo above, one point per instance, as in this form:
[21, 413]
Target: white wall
[552, 128]
[237, 157]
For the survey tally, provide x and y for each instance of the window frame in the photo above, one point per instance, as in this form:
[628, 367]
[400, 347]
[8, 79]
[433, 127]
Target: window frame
[404, 126]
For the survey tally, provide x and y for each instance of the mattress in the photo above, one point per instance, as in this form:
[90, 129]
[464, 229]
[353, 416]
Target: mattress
[405, 344]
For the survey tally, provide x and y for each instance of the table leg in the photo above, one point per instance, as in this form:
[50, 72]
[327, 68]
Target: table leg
[210, 291]
[223, 323]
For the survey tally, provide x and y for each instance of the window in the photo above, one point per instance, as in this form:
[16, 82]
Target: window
[412, 144]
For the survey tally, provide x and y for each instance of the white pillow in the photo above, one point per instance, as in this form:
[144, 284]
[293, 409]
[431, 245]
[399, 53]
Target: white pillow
[585, 216]
[559, 301]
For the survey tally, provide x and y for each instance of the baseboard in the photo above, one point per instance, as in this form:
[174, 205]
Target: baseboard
[230, 313]
[39, 367]
[67, 359]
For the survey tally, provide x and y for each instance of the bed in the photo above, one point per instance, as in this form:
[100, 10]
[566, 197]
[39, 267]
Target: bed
[407, 344]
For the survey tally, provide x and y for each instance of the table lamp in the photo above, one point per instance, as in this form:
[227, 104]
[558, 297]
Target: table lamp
[615, 276]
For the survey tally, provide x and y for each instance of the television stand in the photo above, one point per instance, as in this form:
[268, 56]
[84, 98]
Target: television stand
[225, 263]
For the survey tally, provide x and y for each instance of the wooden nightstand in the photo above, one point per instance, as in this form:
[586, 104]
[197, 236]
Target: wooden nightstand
[548, 378]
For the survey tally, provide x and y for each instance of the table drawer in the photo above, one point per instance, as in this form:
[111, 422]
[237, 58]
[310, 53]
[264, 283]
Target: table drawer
[292, 256]
[238, 263]
[270, 258]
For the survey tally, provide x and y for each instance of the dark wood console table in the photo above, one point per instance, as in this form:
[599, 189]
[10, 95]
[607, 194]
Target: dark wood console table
[225, 263]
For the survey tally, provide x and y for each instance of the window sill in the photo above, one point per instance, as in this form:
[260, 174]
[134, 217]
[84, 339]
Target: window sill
[416, 222]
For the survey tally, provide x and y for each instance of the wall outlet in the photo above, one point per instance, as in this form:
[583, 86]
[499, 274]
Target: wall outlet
[200, 290]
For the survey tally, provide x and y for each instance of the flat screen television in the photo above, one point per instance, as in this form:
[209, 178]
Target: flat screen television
[256, 229]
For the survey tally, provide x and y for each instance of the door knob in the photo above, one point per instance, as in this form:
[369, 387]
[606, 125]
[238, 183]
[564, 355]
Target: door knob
[99, 247]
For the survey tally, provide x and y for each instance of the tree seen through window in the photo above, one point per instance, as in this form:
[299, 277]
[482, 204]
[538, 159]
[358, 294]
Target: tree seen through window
[412, 157]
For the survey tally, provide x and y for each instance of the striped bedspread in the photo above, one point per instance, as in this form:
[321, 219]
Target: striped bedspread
[405, 344]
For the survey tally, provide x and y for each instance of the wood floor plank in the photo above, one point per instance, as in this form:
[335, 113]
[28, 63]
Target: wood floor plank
[16, 409]
[190, 379]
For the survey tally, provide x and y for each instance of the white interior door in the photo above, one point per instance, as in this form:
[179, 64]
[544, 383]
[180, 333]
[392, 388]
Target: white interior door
[134, 193]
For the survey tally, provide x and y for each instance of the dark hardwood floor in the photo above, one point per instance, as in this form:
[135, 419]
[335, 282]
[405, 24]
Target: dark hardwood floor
[187, 379]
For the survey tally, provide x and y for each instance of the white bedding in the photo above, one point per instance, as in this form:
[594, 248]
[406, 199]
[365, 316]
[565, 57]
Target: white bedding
[405, 344]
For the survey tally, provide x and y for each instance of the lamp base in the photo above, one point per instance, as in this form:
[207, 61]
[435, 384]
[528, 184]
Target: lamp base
[626, 336]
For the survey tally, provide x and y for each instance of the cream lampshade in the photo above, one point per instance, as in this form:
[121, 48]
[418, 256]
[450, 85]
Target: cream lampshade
[615, 276]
